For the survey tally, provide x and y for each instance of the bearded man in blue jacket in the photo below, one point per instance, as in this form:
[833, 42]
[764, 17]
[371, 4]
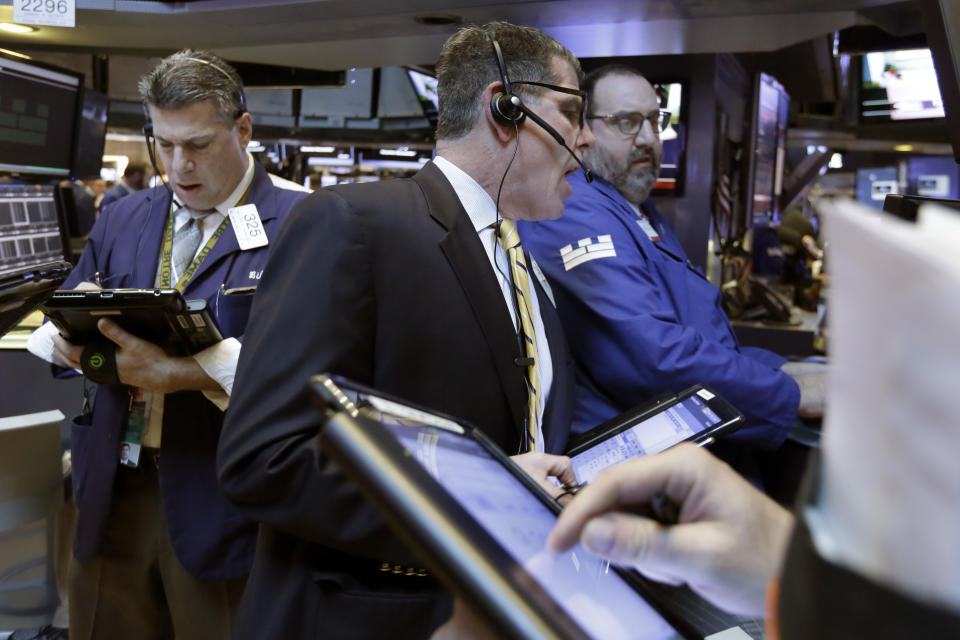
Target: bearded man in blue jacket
[641, 319]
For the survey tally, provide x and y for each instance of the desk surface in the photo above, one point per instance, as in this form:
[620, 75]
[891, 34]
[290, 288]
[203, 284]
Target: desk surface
[784, 339]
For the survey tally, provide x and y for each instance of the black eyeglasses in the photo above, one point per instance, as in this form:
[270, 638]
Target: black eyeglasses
[630, 123]
[554, 87]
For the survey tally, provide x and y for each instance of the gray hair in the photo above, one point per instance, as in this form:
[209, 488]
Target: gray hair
[192, 76]
[467, 64]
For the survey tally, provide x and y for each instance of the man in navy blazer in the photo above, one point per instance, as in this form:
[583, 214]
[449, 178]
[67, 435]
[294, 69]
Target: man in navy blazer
[134, 176]
[159, 552]
[400, 285]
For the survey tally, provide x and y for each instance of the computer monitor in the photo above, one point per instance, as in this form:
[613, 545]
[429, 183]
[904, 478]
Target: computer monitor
[33, 248]
[31, 232]
[91, 136]
[425, 86]
[672, 97]
[767, 149]
[38, 117]
[899, 85]
[874, 184]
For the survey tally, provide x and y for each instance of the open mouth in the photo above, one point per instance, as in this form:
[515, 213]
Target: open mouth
[188, 188]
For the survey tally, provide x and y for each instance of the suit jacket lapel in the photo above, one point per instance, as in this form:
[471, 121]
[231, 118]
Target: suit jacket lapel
[558, 411]
[148, 257]
[464, 252]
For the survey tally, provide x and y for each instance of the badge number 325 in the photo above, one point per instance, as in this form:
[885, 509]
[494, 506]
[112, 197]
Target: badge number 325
[55, 13]
[248, 227]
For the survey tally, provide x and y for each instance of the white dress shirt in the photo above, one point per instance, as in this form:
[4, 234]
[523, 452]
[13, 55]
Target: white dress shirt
[482, 211]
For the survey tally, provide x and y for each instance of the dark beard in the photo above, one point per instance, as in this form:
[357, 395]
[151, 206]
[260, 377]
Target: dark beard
[636, 186]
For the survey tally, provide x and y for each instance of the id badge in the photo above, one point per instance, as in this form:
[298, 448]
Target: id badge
[248, 227]
[133, 433]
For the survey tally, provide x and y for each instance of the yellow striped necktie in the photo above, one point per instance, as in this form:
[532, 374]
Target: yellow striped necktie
[509, 240]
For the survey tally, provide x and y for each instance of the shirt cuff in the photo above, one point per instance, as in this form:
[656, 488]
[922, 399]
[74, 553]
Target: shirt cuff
[219, 361]
[40, 342]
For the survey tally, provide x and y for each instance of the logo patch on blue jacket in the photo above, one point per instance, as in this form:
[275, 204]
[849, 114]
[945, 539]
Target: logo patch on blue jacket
[586, 251]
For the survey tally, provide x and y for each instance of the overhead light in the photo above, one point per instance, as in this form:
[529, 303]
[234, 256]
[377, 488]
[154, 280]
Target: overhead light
[400, 151]
[11, 27]
[120, 162]
[836, 161]
[903, 147]
[124, 137]
[15, 53]
[316, 149]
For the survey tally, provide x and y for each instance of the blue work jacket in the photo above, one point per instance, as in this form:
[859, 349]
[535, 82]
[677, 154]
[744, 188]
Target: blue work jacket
[642, 321]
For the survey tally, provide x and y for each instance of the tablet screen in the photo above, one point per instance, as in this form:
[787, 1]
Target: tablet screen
[656, 433]
[591, 593]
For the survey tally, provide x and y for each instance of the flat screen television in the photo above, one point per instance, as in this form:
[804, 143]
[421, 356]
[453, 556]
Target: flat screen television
[425, 86]
[875, 184]
[91, 135]
[38, 117]
[768, 134]
[899, 85]
[673, 98]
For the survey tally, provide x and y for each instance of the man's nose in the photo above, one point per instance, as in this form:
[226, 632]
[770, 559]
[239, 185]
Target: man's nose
[586, 138]
[182, 160]
[647, 136]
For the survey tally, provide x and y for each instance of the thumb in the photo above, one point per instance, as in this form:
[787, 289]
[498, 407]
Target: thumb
[633, 541]
[622, 539]
[115, 332]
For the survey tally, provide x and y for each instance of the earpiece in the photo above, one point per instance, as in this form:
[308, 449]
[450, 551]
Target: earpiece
[503, 104]
[508, 108]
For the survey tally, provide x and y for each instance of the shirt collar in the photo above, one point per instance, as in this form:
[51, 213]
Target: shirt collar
[232, 200]
[475, 200]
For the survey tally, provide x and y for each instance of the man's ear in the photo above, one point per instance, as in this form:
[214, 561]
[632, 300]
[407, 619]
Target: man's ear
[244, 126]
[503, 132]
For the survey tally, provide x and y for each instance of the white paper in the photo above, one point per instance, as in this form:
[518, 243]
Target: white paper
[890, 501]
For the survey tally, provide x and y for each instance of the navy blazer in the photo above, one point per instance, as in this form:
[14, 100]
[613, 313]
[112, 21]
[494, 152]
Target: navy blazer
[387, 284]
[212, 540]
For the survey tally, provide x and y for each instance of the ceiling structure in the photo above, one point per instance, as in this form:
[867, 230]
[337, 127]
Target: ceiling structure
[339, 34]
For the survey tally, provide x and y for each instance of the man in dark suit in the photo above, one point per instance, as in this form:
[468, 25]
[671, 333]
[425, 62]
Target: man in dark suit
[401, 285]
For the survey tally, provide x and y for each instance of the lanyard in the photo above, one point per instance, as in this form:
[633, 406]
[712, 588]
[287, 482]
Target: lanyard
[166, 260]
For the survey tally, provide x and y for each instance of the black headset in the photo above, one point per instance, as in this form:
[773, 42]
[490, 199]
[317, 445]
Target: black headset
[508, 109]
[504, 104]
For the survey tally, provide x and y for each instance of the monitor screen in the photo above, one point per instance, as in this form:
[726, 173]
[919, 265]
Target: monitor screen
[91, 136]
[899, 85]
[38, 115]
[30, 232]
[653, 435]
[425, 87]
[601, 602]
[768, 145]
[875, 184]
[673, 139]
